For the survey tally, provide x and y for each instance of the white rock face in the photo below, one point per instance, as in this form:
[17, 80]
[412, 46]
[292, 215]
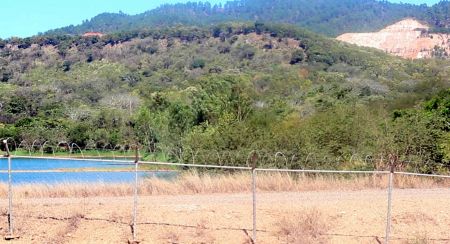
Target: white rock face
[405, 25]
[408, 39]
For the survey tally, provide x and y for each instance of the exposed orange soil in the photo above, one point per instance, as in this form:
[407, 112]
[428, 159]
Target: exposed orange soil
[407, 38]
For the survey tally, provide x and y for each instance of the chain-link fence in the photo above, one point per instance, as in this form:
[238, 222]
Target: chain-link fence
[58, 199]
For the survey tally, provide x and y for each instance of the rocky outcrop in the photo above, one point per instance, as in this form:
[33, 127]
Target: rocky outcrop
[91, 34]
[408, 39]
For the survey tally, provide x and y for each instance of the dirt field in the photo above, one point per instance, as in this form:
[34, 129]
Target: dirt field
[419, 216]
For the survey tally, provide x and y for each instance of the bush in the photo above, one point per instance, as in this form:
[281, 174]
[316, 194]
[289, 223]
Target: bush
[198, 63]
[245, 52]
[297, 57]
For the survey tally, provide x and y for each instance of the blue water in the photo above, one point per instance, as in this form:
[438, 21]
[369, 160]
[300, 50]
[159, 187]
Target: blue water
[52, 164]
[43, 177]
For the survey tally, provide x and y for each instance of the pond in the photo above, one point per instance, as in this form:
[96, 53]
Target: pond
[55, 171]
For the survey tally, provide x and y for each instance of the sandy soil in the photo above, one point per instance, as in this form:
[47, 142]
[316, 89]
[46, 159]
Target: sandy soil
[350, 217]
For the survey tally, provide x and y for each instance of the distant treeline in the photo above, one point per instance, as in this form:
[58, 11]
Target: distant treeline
[329, 17]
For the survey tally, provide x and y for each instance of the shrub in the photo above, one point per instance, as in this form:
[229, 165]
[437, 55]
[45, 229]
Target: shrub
[297, 57]
[198, 63]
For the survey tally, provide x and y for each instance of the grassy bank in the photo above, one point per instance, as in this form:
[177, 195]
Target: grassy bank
[197, 183]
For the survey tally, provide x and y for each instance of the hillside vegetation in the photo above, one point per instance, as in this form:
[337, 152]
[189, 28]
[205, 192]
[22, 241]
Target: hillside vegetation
[227, 90]
[330, 17]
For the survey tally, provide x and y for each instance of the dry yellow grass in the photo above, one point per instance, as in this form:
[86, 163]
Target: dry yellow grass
[303, 228]
[200, 183]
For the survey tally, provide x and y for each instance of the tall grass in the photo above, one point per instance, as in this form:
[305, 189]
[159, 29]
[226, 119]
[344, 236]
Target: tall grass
[303, 228]
[193, 182]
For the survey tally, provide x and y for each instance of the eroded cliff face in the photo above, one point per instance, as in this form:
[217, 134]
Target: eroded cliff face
[407, 38]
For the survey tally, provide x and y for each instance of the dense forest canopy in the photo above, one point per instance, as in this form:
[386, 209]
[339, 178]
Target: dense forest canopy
[226, 90]
[329, 17]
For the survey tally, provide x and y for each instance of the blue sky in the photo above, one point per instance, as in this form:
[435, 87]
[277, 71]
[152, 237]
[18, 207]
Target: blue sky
[27, 18]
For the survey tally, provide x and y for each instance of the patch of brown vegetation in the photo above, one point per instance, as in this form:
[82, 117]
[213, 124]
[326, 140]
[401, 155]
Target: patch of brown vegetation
[303, 228]
[69, 227]
[261, 40]
[202, 233]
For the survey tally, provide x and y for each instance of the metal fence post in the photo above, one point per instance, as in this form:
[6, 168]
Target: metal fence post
[10, 215]
[389, 210]
[10, 235]
[254, 159]
[254, 202]
[135, 201]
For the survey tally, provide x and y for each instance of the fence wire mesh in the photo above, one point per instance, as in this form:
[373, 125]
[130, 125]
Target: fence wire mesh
[72, 198]
[322, 207]
[194, 207]
[420, 208]
[53, 198]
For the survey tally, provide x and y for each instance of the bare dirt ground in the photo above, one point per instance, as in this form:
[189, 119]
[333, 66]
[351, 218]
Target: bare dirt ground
[419, 216]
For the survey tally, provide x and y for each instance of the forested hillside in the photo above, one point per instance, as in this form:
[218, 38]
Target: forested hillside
[330, 17]
[228, 88]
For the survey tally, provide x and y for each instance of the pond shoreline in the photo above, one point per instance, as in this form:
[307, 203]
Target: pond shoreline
[54, 170]
[86, 170]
